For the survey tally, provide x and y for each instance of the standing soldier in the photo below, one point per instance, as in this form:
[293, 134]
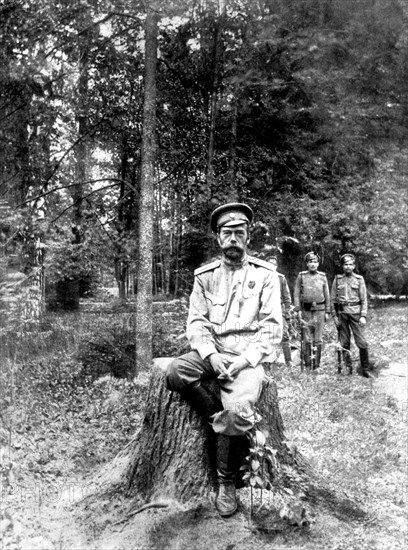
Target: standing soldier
[286, 305]
[349, 311]
[312, 302]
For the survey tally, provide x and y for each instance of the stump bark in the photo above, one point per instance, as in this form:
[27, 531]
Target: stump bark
[173, 454]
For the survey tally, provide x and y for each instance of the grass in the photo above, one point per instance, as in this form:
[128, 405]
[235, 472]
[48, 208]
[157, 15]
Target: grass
[60, 420]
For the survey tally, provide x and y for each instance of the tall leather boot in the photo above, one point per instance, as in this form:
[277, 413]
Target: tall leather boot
[201, 400]
[347, 361]
[364, 362]
[228, 464]
[307, 355]
[318, 355]
[287, 354]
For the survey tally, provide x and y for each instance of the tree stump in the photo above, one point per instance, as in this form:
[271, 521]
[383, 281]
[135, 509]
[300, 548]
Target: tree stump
[172, 456]
[174, 451]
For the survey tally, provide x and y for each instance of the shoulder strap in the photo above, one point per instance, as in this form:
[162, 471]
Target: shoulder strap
[261, 263]
[207, 267]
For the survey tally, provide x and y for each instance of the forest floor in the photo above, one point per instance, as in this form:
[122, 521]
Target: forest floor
[64, 415]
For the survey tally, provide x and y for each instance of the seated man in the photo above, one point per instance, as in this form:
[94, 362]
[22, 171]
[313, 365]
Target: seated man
[234, 324]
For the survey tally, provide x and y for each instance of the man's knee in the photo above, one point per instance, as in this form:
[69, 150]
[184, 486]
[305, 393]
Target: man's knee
[362, 344]
[232, 423]
[172, 376]
[184, 371]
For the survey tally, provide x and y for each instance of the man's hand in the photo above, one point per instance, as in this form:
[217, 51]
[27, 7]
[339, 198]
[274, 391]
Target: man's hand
[336, 321]
[220, 363]
[362, 322]
[326, 317]
[227, 367]
[237, 366]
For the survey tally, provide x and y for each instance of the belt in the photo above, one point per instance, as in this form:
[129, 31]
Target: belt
[349, 303]
[313, 303]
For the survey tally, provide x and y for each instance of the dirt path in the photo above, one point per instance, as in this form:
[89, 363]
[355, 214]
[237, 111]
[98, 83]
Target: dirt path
[392, 381]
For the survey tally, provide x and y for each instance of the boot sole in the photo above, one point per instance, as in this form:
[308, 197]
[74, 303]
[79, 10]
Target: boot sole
[227, 514]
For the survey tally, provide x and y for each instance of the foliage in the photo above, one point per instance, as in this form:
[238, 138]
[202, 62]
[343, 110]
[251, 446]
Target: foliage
[107, 345]
[296, 108]
[264, 474]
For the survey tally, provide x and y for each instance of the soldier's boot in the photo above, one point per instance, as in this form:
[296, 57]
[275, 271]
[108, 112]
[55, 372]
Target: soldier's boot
[347, 361]
[201, 400]
[307, 355]
[228, 464]
[339, 363]
[318, 355]
[287, 354]
[364, 362]
[243, 452]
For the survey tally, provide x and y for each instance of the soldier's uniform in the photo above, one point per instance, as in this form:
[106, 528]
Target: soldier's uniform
[312, 298]
[286, 306]
[348, 304]
[234, 310]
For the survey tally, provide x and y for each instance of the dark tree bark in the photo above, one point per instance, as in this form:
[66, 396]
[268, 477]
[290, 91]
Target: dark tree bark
[173, 454]
[216, 67]
[69, 289]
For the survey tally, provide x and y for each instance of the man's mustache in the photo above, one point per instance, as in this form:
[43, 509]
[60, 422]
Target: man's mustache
[234, 249]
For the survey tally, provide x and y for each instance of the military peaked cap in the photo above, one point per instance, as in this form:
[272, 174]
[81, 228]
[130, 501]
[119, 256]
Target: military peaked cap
[312, 256]
[272, 259]
[347, 258]
[233, 213]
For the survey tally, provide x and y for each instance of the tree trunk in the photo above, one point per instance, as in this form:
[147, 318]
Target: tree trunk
[145, 252]
[233, 193]
[172, 457]
[173, 454]
[121, 264]
[216, 63]
[81, 158]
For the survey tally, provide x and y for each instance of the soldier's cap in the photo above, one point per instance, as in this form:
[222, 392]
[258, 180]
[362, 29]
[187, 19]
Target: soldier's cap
[233, 213]
[312, 256]
[347, 258]
[272, 259]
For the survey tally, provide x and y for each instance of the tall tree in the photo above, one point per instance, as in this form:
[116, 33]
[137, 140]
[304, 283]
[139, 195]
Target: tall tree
[144, 301]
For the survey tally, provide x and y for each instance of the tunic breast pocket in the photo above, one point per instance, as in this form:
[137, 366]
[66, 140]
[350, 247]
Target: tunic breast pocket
[341, 290]
[355, 291]
[251, 295]
[216, 307]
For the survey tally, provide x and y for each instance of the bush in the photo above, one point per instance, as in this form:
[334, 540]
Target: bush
[108, 347]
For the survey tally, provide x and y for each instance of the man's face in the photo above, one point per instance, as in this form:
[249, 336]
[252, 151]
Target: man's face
[348, 267]
[312, 266]
[233, 241]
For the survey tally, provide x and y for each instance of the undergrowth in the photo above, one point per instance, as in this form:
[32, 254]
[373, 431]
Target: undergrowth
[64, 412]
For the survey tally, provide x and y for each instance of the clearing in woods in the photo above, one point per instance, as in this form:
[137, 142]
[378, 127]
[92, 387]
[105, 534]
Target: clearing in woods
[59, 427]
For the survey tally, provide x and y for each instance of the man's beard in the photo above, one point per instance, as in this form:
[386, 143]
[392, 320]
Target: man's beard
[234, 253]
